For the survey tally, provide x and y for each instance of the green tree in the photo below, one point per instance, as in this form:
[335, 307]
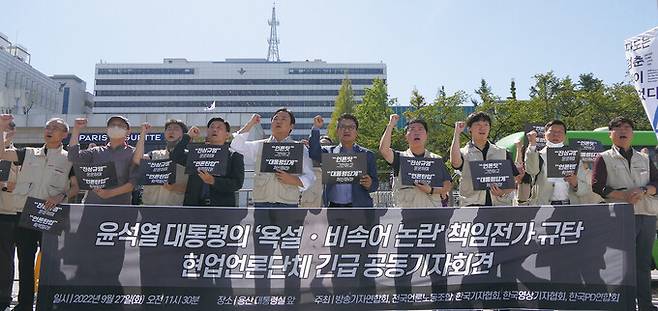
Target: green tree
[417, 101]
[485, 94]
[566, 105]
[512, 90]
[626, 102]
[511, 116]
[588, 83]
[344, 104]
[546, 87]
[440, 116]
[441, 93]
[373, 114]
[586, 104]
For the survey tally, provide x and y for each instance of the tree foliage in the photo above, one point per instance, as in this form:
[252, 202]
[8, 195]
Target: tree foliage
[344, 104]
[585, 104]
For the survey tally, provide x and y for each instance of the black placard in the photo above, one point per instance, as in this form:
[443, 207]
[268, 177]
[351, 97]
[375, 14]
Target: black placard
[589, 149]
[343, 168]
[5, 169]
[210, 158]
[36, 216]
[157, 172]
[187, 264]
[539, 128]
[99, 176]
[493, 172]
[425, 170]
[561, 162]
[286, 157]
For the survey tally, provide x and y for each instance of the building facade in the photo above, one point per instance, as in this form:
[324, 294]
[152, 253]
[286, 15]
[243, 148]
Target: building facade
[237, 87]
[74, 96]
[24, 90]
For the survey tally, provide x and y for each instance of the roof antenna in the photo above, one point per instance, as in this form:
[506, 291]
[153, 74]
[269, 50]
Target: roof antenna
[273, 50]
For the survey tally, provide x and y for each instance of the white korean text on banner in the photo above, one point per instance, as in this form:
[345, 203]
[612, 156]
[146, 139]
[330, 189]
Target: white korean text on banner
[429, 171]
[100, 176]
[567, 257]
[486, 174]
[343, 168]
[287, 157]
[643, 71]
[157, 172]
[210, 158]
[562, 162]
[37, 216]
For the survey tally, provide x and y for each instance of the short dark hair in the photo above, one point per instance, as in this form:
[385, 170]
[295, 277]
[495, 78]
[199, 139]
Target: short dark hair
[618, 121]
[555, 122]
[416, 121]
[292, 116]
[226, 124]
[476, 117]
[347, 116]
[176, 122]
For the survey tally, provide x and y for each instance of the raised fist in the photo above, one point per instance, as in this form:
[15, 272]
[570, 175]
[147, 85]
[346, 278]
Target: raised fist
[532, 137]
[194, 132]
[80, 123]
[146, 127]
[255, 119]
[318, 122]
[393, 119]
[519, 144]
[6, 118]
[459, 127]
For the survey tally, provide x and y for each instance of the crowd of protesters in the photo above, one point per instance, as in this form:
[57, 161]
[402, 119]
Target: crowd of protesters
[47, 173]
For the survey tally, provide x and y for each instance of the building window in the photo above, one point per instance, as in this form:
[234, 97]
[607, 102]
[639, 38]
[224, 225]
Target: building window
[336, 71]
[145, 71]
[223, 93]
[220, 104]
[65, 101]
[230, 81]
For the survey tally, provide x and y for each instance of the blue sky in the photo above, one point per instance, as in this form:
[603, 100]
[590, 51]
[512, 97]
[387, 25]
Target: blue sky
[425, 44]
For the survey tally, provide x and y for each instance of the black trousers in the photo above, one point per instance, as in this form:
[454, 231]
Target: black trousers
[7, 227]
[27, 241]
[645, 234]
